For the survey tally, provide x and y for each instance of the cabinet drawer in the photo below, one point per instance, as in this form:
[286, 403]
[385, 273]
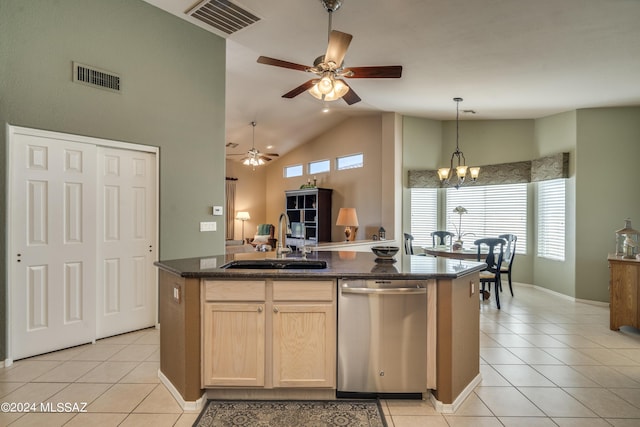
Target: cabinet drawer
[301, 290]
[230, 290]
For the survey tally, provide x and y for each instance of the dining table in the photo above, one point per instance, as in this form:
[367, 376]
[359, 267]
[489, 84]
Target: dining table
[447, 251]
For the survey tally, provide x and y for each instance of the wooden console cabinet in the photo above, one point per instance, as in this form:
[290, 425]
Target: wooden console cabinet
[624, 296]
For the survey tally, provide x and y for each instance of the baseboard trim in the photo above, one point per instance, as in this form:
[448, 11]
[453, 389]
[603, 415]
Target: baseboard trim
[561, 295]
[450, 408]
[187, 406]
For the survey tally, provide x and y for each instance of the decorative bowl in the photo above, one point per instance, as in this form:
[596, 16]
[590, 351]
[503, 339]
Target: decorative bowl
[385, 252]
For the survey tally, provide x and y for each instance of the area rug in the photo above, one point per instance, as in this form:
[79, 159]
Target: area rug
[291, 413]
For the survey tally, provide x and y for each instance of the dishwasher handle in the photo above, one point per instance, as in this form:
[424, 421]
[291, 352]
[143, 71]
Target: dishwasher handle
[384, 291]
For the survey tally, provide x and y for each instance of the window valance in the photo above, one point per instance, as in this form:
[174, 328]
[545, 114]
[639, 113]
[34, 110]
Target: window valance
[543, 169]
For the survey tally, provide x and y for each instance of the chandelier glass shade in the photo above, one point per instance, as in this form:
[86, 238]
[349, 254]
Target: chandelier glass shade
[460, 164]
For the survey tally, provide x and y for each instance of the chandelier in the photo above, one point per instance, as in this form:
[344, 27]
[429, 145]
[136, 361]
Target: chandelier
[461, 169]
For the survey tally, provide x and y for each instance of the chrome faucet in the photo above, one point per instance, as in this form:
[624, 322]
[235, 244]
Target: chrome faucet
[282, 235]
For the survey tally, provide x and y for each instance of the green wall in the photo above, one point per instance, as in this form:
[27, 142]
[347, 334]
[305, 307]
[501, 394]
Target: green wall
[488, 142]
[608, 156]
[555, 134]
[173, 92]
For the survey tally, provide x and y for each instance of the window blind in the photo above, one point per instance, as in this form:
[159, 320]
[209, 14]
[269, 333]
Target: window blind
[492, 210]
[424, 215]
[551, 219]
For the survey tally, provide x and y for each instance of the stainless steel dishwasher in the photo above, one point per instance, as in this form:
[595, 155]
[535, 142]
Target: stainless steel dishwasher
[382, 337]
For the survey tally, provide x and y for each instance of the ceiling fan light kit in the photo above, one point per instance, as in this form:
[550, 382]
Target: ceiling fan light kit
[329, 85]
[254, 157]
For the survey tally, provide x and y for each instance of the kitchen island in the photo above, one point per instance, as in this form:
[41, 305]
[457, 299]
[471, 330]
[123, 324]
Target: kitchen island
[198, 297]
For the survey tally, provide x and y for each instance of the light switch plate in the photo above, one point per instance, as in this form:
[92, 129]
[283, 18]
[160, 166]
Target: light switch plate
[217, 210]
[208, 226]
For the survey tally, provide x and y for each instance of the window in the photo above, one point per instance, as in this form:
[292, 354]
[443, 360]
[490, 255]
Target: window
[350, 162]
[492, 210]
[551, 219]
[319, 166]
[291, 171]
[424, 215]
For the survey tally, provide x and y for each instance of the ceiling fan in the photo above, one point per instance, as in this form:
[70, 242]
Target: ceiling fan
[329, 68]
[253, 157]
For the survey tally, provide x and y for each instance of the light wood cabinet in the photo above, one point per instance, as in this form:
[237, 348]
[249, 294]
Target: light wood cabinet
[233, 333]
[234, 344]
[304, 334]
[269, 334]
[624, 296]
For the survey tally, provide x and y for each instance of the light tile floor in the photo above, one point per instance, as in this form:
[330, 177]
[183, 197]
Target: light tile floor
[545, 361]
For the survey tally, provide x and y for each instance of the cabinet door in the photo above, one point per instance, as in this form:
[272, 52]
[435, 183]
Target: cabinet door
[304, 352]
[624, 295]
[233, 347]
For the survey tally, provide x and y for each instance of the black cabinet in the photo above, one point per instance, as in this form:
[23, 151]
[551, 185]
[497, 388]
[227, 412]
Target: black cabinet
[309, 212]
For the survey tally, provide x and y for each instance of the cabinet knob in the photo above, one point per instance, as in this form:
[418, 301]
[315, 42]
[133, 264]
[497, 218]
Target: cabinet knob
[260, 309]
[275, 309]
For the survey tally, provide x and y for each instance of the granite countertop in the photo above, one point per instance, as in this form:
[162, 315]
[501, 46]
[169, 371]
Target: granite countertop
[340, 264]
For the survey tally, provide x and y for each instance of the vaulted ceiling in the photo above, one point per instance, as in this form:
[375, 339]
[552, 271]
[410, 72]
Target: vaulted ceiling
[508, 59]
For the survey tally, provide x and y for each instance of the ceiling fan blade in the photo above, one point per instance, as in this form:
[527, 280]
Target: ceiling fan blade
[300, 89]
[351, 97]
[265, 158]
[279, 63]
[382, 72]
[337, 48]
[271, 154]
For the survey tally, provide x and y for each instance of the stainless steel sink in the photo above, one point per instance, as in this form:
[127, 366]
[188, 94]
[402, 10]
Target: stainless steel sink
[273, 264]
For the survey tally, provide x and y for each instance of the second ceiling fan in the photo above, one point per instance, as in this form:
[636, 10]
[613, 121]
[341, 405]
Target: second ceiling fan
[329, 68]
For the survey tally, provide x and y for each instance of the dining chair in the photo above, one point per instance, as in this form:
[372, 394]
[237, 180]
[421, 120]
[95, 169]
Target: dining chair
[491, 251]
[509, 257]
[442, 237]
[408, 247]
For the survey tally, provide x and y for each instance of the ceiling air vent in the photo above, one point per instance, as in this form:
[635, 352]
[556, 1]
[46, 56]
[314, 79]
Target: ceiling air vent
[223, 15]
[92, 76]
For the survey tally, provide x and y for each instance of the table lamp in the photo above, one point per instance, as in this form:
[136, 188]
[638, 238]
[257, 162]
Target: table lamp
[348, 218]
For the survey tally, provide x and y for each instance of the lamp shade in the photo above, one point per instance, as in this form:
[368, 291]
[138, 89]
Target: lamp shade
[243, 216]
[347, 217]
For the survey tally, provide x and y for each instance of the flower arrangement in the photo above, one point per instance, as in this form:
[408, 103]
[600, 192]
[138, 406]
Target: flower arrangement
[460, 210]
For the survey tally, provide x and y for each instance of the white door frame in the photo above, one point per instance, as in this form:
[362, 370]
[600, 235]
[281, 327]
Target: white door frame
[12, 130]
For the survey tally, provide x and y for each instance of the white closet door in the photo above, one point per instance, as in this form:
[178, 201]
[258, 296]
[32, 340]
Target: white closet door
[126, 291]
[52, 232]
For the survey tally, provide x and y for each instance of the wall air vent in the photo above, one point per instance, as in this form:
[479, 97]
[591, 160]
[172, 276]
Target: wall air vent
[223, 15]
[95, 77]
